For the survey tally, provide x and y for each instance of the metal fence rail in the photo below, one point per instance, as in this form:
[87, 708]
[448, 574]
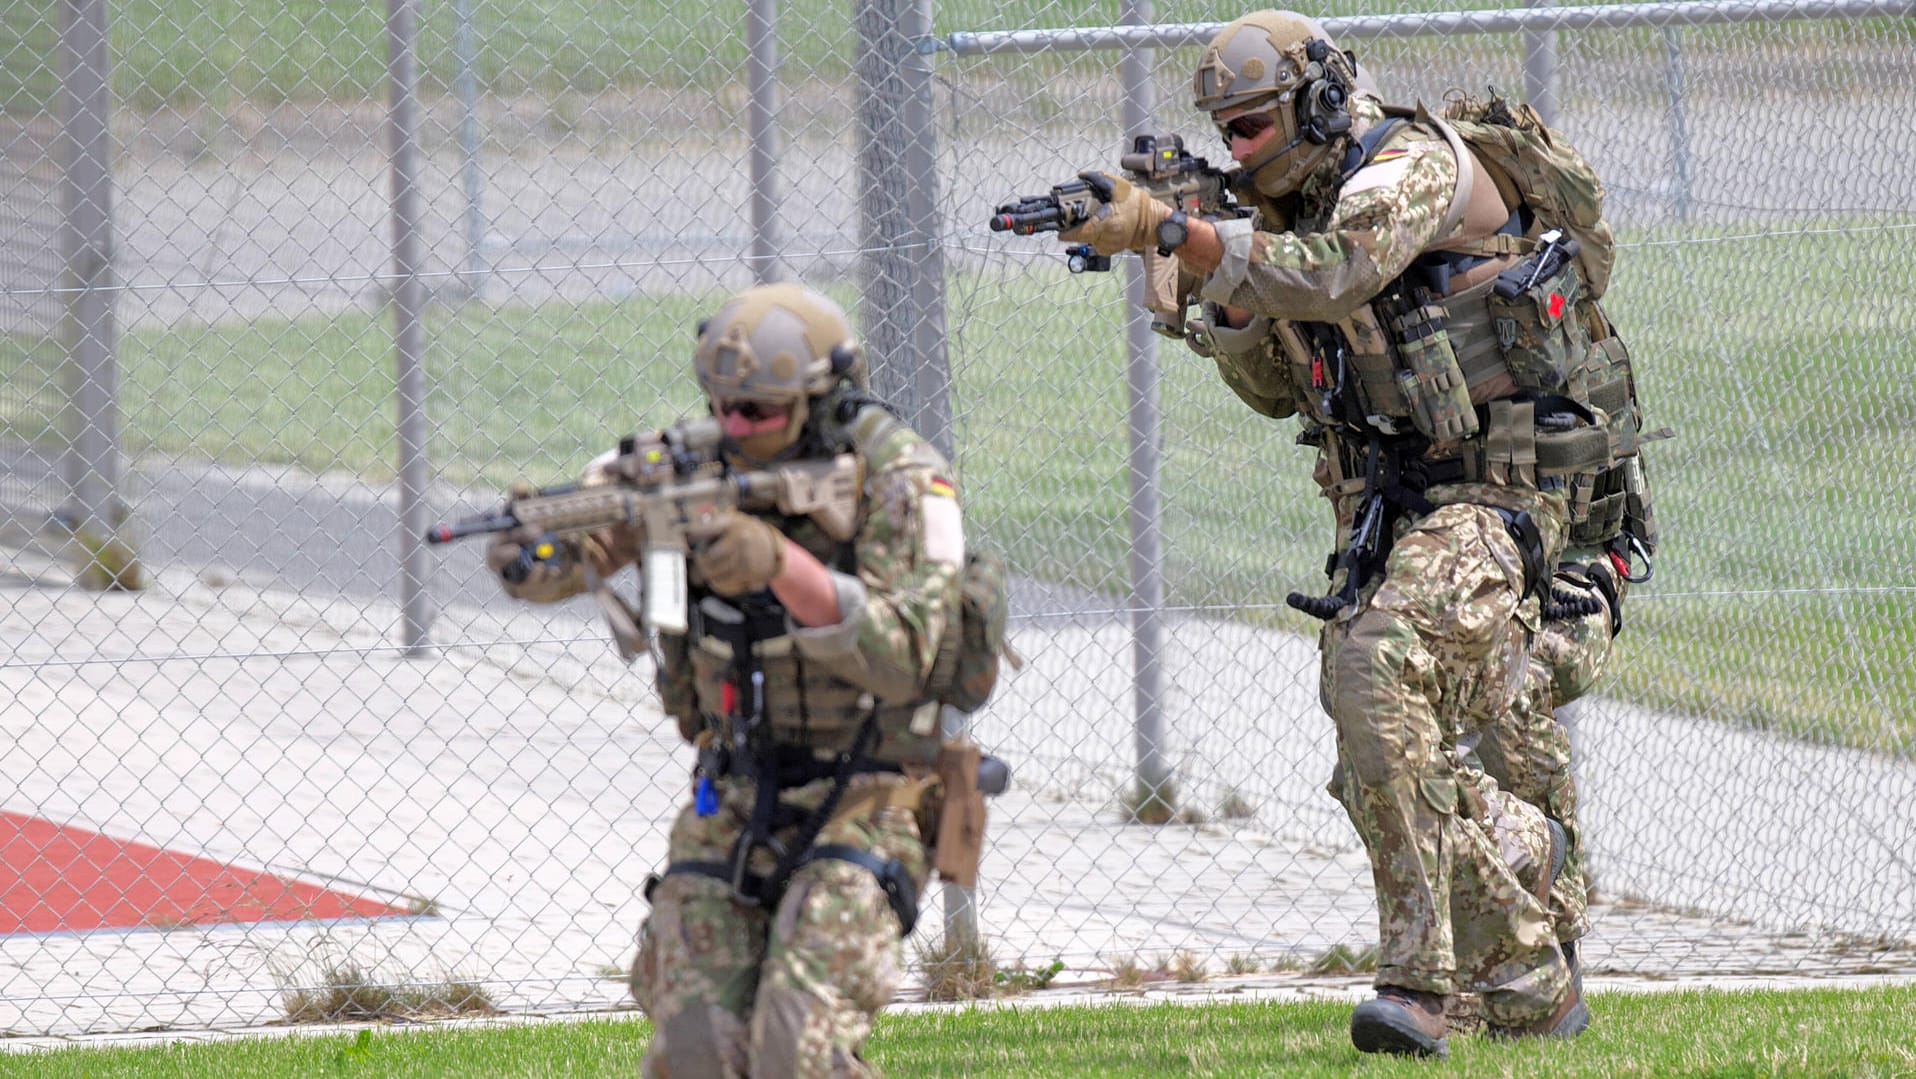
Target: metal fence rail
[343, 298]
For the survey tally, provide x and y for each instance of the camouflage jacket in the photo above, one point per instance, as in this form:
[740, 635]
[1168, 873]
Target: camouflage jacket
[1326, 254]
[897, 585]
[1323, 256]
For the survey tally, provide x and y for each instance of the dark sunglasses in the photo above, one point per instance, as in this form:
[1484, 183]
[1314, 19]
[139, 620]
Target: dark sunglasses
[750, 410]
[1248, 126]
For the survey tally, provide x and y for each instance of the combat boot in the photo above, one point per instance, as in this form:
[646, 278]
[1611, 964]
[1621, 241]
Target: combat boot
[1403, 1021]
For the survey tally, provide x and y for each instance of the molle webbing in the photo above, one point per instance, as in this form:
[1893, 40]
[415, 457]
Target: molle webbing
[1475, 342]
[1516, 450]
[1564, 453]
[807, 706]
[1612, 397]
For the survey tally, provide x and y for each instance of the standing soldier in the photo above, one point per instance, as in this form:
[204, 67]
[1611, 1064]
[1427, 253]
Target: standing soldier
[818, 655]
[1422, 294]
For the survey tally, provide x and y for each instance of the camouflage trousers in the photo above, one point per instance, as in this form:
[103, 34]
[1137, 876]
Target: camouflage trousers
[1527, 750]
[734, 991]
[1441, 647]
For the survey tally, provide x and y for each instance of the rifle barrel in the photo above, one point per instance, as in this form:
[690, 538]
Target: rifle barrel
[472, 526]
[1028, 222]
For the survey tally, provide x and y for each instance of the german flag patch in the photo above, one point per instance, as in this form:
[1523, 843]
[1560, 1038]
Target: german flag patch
[943, 527]
[1390, 155]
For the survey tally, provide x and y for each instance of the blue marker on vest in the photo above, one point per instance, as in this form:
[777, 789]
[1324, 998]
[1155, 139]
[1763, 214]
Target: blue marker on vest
[705, 797]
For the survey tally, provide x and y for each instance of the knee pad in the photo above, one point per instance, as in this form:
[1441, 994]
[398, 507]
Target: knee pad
[1382, 693]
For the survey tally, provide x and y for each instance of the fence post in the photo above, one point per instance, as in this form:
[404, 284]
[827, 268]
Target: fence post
[1540, 68]
[408, 302]
[1156, 796]
[902, 272]
[1679, 127]
[903, 267]
[761, 70]
[474, 180]
[90, 462]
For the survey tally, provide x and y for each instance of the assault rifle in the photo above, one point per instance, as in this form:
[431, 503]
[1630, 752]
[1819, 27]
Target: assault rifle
[1160, 165]
[663, 484]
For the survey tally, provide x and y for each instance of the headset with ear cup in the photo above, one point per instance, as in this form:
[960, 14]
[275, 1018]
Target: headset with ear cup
[1323, 103]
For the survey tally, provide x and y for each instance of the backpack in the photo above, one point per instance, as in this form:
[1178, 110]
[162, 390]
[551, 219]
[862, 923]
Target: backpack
[980, 632]
[1563, 191]
[966, 670]
[1551, 177]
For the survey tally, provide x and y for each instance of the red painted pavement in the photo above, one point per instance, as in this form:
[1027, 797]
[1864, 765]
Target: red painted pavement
[54, 878]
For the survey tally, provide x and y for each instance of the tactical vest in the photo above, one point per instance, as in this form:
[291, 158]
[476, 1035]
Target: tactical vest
[802, 703]
[1526, 386]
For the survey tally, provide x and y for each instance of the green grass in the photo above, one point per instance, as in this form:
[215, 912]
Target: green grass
[1808, 1033]
[1784, 498]
[1784, 381]
[268, 51]
[28, 36]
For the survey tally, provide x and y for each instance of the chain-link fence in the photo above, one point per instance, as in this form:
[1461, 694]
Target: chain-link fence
[280, 284]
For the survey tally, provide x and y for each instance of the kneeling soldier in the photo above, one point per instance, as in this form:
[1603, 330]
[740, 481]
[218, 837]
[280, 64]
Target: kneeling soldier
[818, 653]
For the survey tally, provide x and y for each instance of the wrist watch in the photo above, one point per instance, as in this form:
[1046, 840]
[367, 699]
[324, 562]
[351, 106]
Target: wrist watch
[1172, 232]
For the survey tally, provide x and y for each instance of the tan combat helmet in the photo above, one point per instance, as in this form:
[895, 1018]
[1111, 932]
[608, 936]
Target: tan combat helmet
[1285, 65]
[779, 344]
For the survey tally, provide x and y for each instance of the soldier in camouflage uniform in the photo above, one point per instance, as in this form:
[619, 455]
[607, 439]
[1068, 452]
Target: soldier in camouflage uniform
[807, 678]
[1465, 448]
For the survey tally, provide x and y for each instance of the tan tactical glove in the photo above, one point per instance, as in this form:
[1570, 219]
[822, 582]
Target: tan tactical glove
[737, 554]
[536, 569]
[1128, 221]
[542, 569]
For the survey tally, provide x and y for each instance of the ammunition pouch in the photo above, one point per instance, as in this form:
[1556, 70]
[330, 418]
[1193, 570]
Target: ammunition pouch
[1432, 382]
